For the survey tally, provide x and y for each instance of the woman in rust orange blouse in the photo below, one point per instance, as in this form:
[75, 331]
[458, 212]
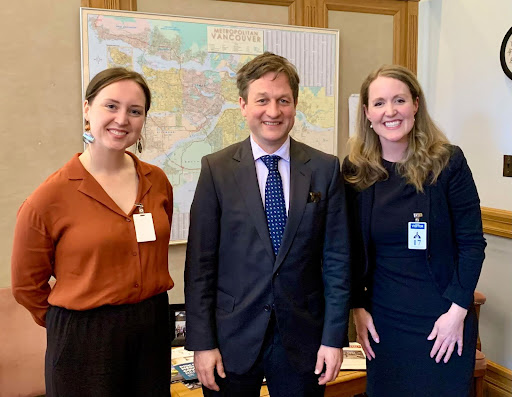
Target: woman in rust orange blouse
[100, 225]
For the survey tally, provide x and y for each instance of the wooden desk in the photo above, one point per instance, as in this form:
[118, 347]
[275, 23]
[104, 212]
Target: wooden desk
[347, 384]
[180, 390]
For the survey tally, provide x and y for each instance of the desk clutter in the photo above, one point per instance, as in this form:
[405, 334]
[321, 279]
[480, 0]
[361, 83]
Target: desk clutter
[354, 358]
[182, 369]
[348, 383]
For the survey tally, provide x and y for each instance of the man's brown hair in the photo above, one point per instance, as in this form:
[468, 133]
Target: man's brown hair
[263, 64]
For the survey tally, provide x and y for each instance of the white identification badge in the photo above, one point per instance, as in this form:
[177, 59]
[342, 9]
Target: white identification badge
[417, 232]
[144, 228]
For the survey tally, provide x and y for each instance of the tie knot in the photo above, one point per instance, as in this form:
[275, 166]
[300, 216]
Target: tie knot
[271, 161]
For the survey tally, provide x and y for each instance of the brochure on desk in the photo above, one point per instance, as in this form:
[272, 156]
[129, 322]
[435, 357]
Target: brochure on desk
[354, 358]
[182, 365]
[186, 370]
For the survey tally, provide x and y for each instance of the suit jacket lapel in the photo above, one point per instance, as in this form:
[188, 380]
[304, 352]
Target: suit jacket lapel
[425, 204]
[365, 213]
[245, 176]
[300, 182]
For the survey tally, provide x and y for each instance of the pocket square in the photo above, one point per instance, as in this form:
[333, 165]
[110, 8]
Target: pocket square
[314, 197]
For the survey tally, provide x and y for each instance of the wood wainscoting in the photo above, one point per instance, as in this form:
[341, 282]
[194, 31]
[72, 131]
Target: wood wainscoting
[497, 222]
[497, 381]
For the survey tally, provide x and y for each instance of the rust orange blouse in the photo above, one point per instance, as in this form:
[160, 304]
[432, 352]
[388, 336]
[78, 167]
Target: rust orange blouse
[71, 229]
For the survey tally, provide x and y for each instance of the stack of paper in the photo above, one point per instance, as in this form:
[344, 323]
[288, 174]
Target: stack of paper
[354, 358]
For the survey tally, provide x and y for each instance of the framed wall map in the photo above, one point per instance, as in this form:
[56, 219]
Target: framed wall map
[190, 65]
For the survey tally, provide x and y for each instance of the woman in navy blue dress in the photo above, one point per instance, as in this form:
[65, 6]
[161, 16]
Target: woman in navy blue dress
[418, 244]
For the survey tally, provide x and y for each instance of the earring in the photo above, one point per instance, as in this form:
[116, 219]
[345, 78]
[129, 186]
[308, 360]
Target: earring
[86, 137]
[371, 126]
[139, 145]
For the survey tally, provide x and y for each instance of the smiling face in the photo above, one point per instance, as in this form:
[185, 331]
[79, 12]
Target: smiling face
[391, 110]
[269, 110]
[116, 115]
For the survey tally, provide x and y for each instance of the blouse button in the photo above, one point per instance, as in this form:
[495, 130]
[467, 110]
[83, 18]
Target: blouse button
[128, 219]
[134, 253]
[136, 285]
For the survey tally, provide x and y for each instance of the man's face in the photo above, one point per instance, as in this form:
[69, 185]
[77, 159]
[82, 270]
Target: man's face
[269, 110]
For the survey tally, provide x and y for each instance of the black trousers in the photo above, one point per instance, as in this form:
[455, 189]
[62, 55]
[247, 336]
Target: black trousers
[109, 351]
[272, 363]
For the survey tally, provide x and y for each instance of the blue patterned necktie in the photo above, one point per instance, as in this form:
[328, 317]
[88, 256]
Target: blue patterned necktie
[275, 207]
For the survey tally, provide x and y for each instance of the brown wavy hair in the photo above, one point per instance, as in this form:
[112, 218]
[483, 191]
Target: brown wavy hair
[428, 149]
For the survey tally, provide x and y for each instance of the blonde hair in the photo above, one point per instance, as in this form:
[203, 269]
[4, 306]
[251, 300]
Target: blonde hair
[428, 149]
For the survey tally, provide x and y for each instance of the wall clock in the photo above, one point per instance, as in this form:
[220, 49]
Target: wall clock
[506, 54]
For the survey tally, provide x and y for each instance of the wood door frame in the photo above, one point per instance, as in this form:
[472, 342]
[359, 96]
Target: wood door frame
[297, 9]
[125, 5]
[315, 13]
[405, 23]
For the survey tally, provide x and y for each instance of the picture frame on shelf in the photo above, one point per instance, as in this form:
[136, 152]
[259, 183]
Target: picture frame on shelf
[178, 318]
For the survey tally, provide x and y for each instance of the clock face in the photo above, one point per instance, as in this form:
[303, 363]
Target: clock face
[506, 54]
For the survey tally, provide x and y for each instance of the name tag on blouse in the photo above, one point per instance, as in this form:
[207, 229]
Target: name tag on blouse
[417, 232]
[144, 227]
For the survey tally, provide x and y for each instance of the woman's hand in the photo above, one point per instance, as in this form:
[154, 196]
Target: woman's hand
[364, 325]
[448, 330]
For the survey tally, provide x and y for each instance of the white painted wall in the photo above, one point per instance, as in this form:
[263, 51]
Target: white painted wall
[467, 92]
[470, 98]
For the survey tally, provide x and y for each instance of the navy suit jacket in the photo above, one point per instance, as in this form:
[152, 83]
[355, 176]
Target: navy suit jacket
[232, 278]
[455, 242]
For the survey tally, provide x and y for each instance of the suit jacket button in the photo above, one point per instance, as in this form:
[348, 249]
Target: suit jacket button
[267, 308]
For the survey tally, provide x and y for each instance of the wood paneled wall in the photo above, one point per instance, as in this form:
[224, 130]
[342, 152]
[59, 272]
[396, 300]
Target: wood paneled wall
[314, 13]
[127, 5]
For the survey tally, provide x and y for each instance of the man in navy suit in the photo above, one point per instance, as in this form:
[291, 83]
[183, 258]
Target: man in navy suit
[263, 302]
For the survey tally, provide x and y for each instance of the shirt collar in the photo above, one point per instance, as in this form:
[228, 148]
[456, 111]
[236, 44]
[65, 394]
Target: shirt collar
[75, 169]
[283, 151]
